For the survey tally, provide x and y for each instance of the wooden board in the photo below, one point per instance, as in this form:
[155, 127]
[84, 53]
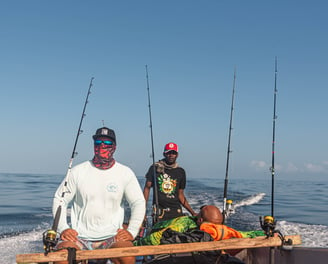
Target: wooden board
[235, 243]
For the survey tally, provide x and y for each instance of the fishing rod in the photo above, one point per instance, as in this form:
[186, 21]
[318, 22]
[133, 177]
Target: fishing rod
[51, 236]
[227, 203]
[273, 138]
[269, 223]
[155, 191]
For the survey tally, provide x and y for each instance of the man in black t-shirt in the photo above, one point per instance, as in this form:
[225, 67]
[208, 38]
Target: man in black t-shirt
[171, 182]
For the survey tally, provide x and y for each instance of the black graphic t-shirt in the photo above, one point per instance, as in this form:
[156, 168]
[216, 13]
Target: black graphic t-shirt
[168, 184]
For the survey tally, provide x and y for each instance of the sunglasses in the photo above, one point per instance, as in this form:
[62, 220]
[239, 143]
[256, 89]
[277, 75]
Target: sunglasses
[173, 152]
[106, 142]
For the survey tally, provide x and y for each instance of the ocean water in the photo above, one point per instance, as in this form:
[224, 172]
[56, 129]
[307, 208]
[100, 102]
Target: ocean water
[300, 208]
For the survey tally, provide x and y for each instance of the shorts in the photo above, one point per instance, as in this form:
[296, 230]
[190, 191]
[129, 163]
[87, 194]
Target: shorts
[85, 244]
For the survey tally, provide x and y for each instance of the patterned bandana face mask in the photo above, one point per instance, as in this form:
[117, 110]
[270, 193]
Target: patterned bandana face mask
[103, 158]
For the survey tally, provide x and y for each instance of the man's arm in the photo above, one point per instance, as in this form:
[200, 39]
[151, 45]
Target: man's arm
[184, 202]
[149, 182]
[146, 190]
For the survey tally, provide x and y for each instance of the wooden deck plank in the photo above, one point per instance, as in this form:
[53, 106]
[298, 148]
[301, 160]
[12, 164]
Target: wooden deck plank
[160, 249]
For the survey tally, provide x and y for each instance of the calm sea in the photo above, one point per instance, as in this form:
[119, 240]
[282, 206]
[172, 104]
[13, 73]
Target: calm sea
[300, 208]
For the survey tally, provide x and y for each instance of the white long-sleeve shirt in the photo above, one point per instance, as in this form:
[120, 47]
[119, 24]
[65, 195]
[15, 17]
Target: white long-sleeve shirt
[96, 200]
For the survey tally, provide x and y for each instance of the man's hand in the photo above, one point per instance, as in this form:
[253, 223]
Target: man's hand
[194, 213]
[123, 235]
[69, 235]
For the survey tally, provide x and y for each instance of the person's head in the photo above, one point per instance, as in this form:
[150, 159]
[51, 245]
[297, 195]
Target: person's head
[170, 152]
[106, 133]
[209, 213]
[104, 145]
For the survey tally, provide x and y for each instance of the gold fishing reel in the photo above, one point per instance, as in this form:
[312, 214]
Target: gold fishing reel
[50, 240]
[268, 225]
[229, 205]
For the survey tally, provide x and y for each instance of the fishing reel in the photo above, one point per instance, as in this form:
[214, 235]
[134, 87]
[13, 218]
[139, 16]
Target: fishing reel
[268, 225]
[228, 209]
[229, 206]
[50, 240]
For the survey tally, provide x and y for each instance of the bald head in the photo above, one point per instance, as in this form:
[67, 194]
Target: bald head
[212, 214]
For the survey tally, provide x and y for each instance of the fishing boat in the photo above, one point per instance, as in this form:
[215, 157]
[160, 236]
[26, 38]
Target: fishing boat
[271, 249]
[296, 255]
[173, 250]
[255, 251]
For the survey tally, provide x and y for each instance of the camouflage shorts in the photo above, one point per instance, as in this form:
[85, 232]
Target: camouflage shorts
[85, 244]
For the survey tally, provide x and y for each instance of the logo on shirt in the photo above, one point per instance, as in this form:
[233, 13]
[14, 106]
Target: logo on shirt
[112, 187]
[167, 185]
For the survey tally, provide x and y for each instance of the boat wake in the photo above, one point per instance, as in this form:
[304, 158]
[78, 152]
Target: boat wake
[311, 235]
[20, 244]
[254, 199]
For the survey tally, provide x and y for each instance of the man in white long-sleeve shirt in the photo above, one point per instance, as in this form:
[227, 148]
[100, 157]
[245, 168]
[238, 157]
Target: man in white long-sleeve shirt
[95, 190]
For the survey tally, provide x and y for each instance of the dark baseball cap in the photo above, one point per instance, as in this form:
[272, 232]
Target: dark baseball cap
[105, 132]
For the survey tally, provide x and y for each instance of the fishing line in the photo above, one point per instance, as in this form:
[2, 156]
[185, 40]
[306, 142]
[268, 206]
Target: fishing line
[50, 237]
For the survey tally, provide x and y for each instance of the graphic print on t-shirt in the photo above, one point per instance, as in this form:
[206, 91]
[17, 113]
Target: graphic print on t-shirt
[167, 185]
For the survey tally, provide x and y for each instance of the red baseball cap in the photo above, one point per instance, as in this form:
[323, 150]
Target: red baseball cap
[170, 146]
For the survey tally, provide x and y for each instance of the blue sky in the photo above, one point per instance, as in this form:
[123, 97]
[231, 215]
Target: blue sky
[51, 49]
